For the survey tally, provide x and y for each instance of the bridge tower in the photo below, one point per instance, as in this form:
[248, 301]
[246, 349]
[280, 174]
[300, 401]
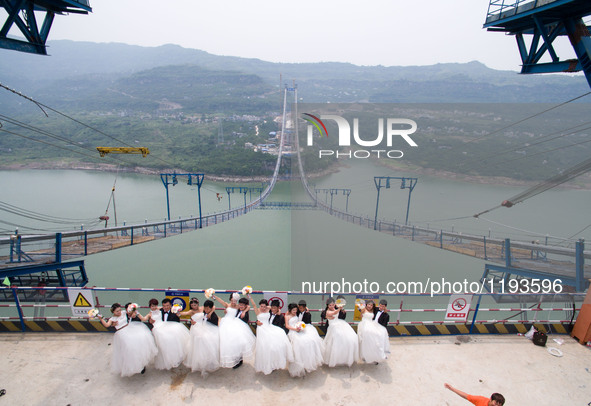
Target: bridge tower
[23, 15]
[544, 21]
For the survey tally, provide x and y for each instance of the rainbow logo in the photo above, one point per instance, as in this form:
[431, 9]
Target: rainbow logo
[316, 122]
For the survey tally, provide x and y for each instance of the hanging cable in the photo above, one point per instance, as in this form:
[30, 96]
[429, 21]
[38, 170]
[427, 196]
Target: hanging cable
[45, 142]
[528, 118]
[40, 105]
[51, 135]
[541, 140]
[571, 173]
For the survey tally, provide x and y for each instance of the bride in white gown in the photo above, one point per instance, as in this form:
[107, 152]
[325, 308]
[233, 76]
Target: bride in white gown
[374, 343]
[133, 344]
[273, 347]
[203, 352]
[171, 338]
[307, 345]
[341, 346]
[236, 338]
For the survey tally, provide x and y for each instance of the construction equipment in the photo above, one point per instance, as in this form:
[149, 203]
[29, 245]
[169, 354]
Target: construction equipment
[123, 150]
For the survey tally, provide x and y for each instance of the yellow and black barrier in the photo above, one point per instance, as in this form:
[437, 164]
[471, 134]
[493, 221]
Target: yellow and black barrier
[82, 326]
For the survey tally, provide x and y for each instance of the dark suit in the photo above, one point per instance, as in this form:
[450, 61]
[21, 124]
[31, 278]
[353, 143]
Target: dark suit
[384, 318]
[213, 319]
[306, 318]
[279, 321]
[246, 317]
[171, 316]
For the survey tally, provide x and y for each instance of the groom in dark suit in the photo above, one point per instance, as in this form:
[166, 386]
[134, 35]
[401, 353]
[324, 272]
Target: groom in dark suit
[303, 312]
[380, 314]
[277, 319]
[167, 315]
[210, 315]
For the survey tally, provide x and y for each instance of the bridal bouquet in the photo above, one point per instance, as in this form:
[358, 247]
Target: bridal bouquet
[132, 308]
[176, 308]
[302, 325]
[93, 313]
[341, 302]
[209, 293]
[361, 306]
[247, 290]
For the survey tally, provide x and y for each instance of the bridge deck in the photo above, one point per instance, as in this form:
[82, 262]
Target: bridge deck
[74, 369]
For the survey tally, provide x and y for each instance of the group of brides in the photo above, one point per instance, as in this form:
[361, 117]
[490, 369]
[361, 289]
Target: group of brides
[212, 343]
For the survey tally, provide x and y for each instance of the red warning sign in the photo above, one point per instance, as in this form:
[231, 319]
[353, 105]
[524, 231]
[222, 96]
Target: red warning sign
[458, 307]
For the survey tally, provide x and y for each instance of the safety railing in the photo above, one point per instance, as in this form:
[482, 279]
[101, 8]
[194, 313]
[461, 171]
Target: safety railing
[407, 309]
[499, 9]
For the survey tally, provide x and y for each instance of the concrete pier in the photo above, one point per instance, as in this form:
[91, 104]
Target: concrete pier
[73, 369]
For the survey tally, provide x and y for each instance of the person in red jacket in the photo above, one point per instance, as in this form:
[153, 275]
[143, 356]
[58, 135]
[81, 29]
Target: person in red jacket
[496, 399]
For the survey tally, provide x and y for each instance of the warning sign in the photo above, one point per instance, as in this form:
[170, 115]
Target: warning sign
[81, 301]
[458, 307]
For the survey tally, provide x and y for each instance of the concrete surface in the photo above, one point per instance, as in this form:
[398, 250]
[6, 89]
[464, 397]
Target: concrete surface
[73, 369]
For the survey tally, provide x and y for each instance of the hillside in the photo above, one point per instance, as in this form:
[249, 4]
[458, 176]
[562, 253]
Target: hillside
[197, 111]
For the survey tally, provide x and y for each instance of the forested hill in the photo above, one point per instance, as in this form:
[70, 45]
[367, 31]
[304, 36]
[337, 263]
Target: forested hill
[81, 62]
[203, 112]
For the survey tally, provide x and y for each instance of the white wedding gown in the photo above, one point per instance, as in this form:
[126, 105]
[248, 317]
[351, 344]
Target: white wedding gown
[133, 347]
[171, 339]
[374, 343]
[203, 348]
[308, 348]
[341, 345]
[236, 339]
[273, 347]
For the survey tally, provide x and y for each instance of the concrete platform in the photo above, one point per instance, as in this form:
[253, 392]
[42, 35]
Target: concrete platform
[73, 369]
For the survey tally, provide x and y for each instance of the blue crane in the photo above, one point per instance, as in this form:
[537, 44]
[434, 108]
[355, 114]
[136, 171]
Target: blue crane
[544, 21]
[22, 14]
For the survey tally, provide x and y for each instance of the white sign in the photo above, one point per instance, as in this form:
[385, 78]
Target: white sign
[282, 297]
[458, 307]
[81, 301]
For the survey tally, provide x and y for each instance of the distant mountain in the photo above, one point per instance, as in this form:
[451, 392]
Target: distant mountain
[91, 68]
[198, 111]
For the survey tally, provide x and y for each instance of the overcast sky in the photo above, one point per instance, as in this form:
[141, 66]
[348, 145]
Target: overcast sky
[375, 32]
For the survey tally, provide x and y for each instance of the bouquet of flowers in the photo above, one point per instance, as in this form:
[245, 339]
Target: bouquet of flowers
[209, 293]
[361, 306]
[341, 302]
[93, 313]
[132, 308]
[302, 325]
[176, 308]
[247, 290]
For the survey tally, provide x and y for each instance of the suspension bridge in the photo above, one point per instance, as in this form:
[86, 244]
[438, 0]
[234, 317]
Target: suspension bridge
[54, 259]
[27, 259]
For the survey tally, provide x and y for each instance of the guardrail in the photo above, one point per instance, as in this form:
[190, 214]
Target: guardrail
[405, 309]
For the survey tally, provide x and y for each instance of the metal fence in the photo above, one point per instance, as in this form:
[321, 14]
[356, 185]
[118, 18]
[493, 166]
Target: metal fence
[405, 309]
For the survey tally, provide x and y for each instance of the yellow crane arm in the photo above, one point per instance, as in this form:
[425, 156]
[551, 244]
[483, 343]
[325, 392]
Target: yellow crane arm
[123, 150]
